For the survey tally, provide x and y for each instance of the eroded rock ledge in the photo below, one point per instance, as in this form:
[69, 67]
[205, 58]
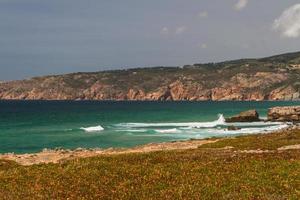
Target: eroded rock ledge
[246, 116]
[284, 114]
[275, 114]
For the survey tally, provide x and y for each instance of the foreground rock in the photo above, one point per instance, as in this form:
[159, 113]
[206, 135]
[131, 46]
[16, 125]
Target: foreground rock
[247, 116]
[284, 114]
[58, 155]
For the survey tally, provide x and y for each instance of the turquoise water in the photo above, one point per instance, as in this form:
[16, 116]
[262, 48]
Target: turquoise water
[30, 126]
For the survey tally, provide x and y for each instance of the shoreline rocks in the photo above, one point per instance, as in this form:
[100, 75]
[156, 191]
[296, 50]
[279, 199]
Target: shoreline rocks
[246, 116]
[275, 114]
[233, 128]
[284, 114]
[60, 155]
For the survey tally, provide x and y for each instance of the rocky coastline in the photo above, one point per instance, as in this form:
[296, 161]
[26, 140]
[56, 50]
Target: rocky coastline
[278, 114]
[273, 78]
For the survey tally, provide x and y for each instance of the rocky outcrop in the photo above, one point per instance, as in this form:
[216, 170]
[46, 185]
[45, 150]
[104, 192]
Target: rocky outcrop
[284, 93]
[135, 95]
[225, 94]
[247, 116]
[284, 114]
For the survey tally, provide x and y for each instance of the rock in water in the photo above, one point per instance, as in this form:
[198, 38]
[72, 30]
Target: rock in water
[233, 128]
[247, 116]
[284, 114]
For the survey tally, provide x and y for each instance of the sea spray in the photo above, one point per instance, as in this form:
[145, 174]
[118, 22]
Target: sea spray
[92, 129]
[219, 121]
[172, 130]
[188, 130]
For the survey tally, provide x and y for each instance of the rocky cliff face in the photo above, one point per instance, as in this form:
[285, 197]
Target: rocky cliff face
[273, 78]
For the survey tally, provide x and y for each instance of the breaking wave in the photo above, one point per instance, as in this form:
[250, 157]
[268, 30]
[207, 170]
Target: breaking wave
[92, 129]
[248, 130]
[172, 130]
[187, 130]
[219, 121]
[200, 129]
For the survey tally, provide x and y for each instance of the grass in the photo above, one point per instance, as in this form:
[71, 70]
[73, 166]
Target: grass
[260, 141]
[208, 172]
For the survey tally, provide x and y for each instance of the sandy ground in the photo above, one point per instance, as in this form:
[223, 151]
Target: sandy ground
[55, 156]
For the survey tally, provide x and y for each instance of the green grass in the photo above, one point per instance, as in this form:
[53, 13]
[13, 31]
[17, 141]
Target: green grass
[260, 141]
[208, 172]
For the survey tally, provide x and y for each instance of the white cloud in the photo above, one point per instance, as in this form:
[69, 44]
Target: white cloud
[288, 24]
[180, 30]
[164, 31]
[240, 5]
[203, 14]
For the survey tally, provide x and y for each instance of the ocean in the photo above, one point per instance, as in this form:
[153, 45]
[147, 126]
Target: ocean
[31, 126]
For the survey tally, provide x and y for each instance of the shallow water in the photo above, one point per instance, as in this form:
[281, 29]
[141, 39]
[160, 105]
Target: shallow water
[30, 126]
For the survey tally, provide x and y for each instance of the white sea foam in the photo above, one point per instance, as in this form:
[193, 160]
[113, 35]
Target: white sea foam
[248, 130]
[172, 130]
[92, 129]
[219, 121]
[133, 130]
[187, 133]
[200, 130]
[253, 124]
[211, 132]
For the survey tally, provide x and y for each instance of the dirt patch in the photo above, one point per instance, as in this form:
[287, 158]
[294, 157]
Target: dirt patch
[55, 156]
[289, 147]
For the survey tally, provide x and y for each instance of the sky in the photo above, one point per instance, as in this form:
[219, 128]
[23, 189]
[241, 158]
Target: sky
[62, 36]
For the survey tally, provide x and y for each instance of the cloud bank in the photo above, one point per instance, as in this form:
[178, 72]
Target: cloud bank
[288, 24]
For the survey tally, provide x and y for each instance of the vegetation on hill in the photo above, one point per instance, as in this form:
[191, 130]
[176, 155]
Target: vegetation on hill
[272, 78]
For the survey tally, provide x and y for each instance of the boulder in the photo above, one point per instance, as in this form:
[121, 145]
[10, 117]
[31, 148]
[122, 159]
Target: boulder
[247, 116]
[233, 128]
[284, 114]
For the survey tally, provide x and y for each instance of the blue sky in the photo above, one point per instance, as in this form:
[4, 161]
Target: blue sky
[61, 36]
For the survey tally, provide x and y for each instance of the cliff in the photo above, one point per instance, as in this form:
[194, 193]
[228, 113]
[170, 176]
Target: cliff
[272, 78]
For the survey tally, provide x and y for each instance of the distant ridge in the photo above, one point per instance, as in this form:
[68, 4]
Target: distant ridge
[270, 78]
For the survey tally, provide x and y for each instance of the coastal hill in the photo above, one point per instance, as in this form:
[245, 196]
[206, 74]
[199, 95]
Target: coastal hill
[271, 78]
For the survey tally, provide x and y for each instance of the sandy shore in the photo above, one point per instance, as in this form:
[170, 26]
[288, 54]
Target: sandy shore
[55, 156]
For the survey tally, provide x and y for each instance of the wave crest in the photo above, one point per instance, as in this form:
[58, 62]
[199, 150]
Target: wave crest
[219, 121]
[92, 128]
[173, 130]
